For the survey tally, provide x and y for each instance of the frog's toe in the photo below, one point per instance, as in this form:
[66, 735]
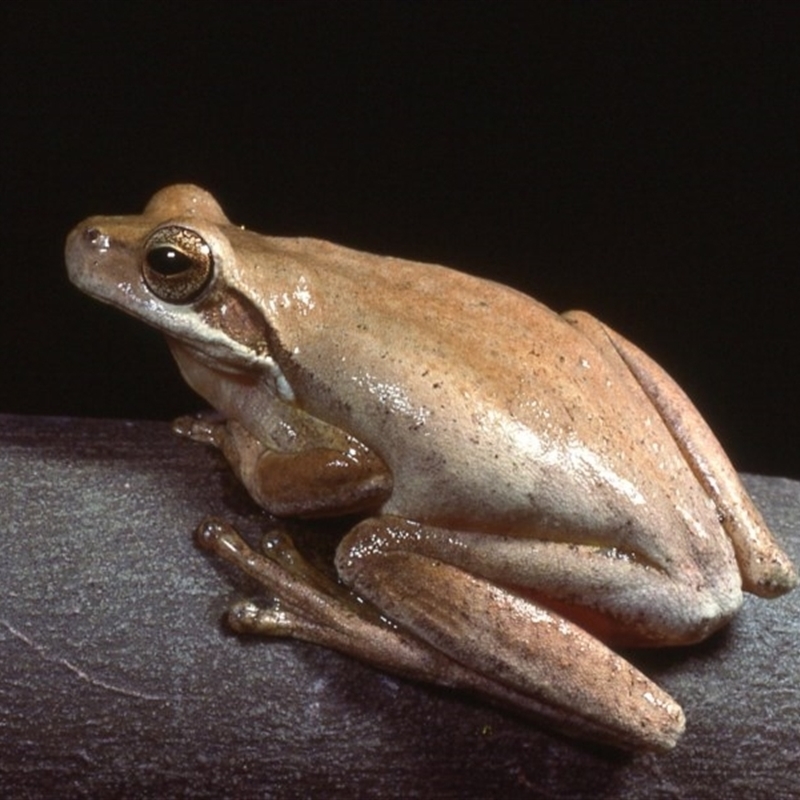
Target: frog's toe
[248, 617]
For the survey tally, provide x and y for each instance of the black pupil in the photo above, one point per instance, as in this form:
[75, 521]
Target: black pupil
[168, 261]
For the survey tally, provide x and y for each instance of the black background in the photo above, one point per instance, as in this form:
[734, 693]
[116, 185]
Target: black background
[636, 160]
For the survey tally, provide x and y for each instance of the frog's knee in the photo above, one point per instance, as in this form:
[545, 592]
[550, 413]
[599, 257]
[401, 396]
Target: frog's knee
[370, 539]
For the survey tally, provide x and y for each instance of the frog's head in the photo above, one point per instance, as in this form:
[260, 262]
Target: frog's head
[176, 267]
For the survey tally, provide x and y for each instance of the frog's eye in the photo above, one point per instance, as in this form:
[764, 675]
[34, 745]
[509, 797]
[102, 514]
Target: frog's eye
[177, 264]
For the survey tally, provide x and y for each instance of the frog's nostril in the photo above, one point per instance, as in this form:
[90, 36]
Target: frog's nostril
[97, 238]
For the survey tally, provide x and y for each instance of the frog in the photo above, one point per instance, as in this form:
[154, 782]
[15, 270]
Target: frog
[525, 493]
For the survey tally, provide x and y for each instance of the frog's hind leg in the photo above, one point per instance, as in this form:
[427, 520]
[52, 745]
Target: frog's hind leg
[511, 648]
[310, 606]
[550, 669]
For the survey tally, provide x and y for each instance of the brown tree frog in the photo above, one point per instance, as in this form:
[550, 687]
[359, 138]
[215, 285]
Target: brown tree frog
[530, 488]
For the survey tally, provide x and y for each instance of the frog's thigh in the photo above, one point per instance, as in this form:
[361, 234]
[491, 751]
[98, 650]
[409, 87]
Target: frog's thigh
[565, 673]
[621, 600]
[766, 570]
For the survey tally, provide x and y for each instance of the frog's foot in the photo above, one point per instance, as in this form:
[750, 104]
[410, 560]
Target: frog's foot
[310, 606]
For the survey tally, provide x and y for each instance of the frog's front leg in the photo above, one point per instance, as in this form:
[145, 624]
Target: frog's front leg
[511, 646]
[332, 474]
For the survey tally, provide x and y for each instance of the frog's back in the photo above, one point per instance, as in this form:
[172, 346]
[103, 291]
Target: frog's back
[492, 411]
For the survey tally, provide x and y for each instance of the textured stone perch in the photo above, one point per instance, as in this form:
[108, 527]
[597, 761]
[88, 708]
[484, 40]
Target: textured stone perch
[118, 678]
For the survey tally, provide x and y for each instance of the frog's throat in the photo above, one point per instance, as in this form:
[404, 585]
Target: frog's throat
[229, 360]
